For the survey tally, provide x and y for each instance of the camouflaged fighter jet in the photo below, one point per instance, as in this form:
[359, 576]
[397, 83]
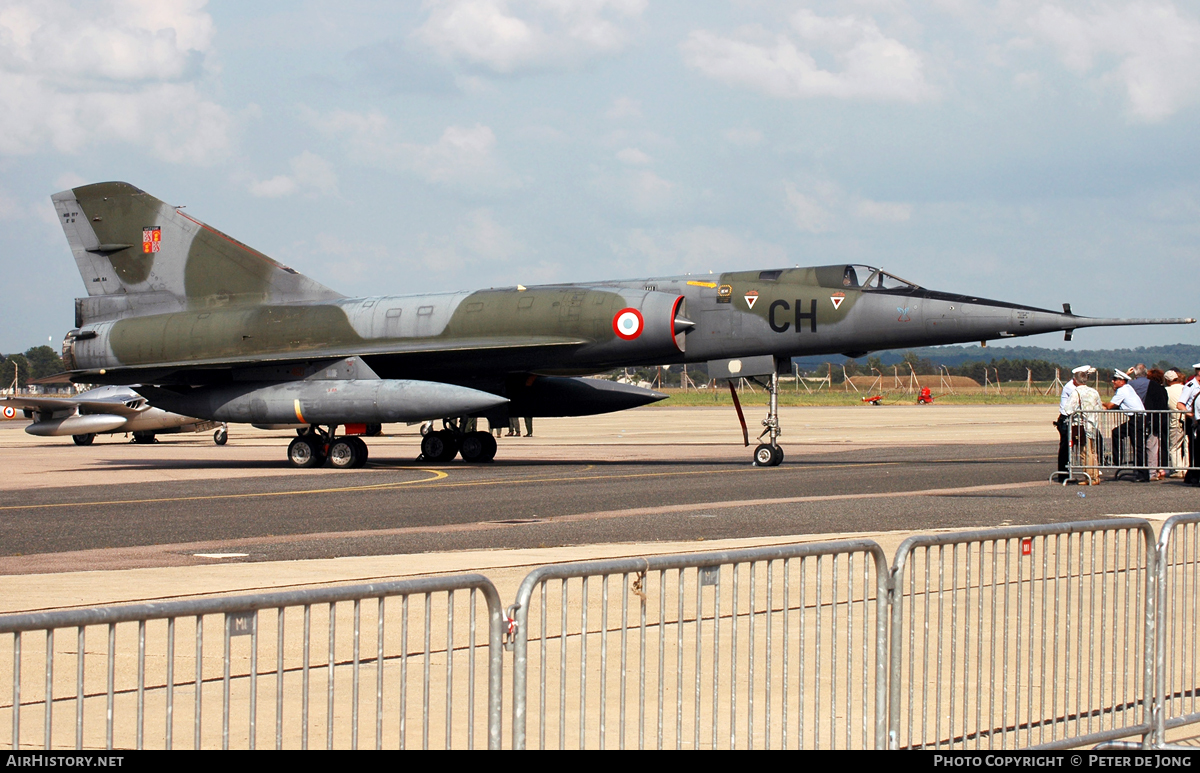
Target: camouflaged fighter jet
[222, 332]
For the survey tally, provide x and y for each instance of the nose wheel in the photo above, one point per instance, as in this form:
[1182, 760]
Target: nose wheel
[768, 454]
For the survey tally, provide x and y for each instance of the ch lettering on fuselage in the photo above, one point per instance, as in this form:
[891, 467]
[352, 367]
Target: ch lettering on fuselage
[782, 327]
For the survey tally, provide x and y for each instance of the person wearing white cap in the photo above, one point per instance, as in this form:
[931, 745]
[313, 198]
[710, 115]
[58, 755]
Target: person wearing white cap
[1177, 456]
[1126, 400]
[1187, 402]
[1068, 404]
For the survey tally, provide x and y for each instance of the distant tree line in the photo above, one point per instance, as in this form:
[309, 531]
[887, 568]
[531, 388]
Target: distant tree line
[37, 362]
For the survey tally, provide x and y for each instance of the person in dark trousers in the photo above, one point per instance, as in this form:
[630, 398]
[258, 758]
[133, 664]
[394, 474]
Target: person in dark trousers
[1133, 428]
[1067, 405]
[1157, 442]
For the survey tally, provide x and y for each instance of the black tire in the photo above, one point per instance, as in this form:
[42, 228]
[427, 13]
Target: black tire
[764, 455]
[778, 456]
[374, 430]
[363, 452]
[439, 447]
[305, 452]
[144, 437]
[489, 447]
[478, 447]
[221, 436]
[344, 453]
[83, 440]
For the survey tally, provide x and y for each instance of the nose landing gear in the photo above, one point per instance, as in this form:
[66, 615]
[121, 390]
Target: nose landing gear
[768, 454]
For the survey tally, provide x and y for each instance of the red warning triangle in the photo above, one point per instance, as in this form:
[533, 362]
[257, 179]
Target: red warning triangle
[751, 298]
[837, 299]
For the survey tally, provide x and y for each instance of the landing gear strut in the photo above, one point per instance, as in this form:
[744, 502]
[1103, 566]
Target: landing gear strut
[768, 454]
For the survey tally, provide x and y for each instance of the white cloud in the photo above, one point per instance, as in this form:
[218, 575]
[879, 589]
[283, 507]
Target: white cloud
[310, 174]
[624, 107]
[820, 206]
[73, 75]
[871, 66]
[743, 137]
[700, 248]
[507, 36]
[807, 212]
[1150, 51]
[883, 211]
[475, 245]
[69, 180]
[463, 156]
[10, 208]
[633, 157]
[460, 154]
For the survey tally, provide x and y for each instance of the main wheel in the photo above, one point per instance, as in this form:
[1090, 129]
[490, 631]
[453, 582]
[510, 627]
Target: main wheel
[362, 450]
[83, 440]
[305, 452]
[344, 453]
[144, 437]
[478, 447]
[767, 455]
[221, 436]
[374, 430]
[440, 446]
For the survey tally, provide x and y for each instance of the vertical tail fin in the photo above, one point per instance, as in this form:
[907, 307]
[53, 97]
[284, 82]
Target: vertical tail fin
[138, 255]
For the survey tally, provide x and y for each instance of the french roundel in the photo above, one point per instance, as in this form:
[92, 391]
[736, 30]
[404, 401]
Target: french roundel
[9, 412]
[628, 324]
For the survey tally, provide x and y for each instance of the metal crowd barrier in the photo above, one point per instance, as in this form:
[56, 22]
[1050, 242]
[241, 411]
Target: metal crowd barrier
[334, 667]
[772, 647]
[1177, 662]
[1116, 443]
[1045, 636]
[1022, 636]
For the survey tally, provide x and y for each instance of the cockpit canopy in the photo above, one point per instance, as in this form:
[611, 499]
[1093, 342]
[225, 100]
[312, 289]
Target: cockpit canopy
[862, 277]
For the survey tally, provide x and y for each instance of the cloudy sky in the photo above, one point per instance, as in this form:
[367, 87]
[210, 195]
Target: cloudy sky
[1029, 151]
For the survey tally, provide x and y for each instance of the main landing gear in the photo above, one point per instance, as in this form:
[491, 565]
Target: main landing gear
[316, 447]
[444, 444]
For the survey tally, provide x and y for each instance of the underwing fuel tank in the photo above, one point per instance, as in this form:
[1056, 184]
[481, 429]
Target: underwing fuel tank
[369, 401]
[87, 424]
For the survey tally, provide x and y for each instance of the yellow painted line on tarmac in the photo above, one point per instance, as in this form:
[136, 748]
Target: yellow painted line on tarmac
[748, 469]
[437, 475]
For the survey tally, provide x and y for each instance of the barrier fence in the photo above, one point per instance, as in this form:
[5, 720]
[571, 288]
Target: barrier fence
[340, 667]
[1024, 636]
[761, 648]
[1118, 443]
[1050, 636]
[1177, 662]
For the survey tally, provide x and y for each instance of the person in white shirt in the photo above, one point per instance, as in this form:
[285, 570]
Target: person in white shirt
[1177, 456]
[1125, 399]
[1067, 405]
[1188, 402]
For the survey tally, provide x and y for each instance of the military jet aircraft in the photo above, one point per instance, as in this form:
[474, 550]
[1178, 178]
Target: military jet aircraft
[107, 409]
[215, 329]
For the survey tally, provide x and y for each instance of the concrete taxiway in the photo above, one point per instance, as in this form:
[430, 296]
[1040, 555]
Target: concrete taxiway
[117, 522]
